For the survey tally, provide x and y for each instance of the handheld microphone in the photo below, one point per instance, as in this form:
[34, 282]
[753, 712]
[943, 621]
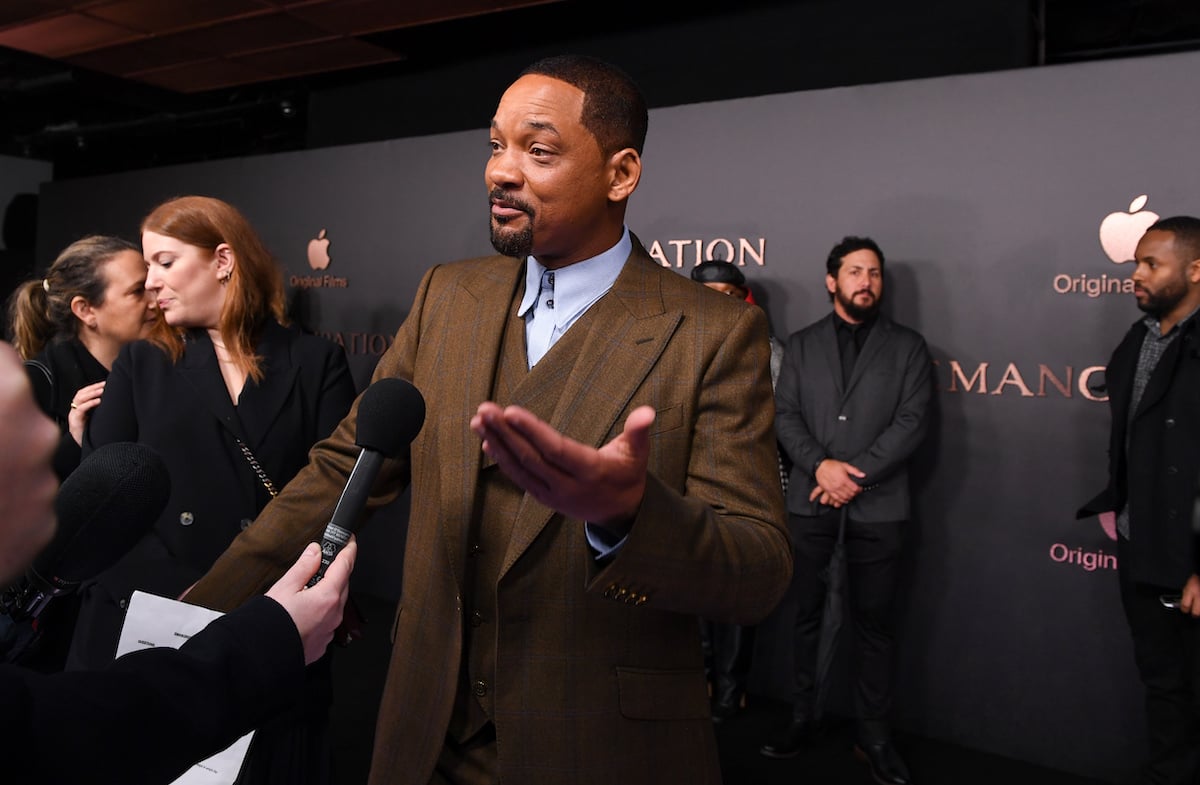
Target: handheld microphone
[390, 414]
[103, 507]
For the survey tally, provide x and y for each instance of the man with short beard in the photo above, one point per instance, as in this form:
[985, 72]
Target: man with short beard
[852, 404]
[1153, 381]
[592, 475]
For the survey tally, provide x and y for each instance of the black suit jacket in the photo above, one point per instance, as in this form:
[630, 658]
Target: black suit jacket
[183, 410]
[1154, 459]
[151, 714]
[874, 422]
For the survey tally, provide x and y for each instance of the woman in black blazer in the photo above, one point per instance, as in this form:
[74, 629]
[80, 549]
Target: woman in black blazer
[69, 326]
[232, 398]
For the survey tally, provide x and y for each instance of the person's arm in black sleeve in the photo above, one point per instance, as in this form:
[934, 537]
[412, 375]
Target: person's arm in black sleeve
[153, 713]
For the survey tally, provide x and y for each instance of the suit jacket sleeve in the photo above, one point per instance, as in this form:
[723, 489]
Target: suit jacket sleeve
[1118, 384]
[719, 548]
[910, 422]
[153, 713]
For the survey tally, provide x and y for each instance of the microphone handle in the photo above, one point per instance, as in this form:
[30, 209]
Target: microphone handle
[346, 514]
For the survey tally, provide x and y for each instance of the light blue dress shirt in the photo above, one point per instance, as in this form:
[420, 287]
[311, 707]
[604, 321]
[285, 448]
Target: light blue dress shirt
[561, 296]
[554, 300]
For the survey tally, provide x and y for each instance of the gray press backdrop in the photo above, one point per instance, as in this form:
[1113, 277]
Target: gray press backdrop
[986, 192]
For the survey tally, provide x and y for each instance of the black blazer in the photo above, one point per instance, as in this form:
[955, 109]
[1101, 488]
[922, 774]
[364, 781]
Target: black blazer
[150, 715]
[56, 374]
[1156, 473]
[874, 422]
[183, 410]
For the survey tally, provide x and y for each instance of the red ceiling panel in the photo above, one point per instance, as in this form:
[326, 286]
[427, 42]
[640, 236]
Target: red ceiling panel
[250, 35]
[142, 55]
[156, 16]
[19, 11]
[64, 35]
[357, 17]
[329, 55]
[206, 75]
[191, 45]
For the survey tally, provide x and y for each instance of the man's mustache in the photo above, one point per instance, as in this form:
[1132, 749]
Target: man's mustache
[498, 196]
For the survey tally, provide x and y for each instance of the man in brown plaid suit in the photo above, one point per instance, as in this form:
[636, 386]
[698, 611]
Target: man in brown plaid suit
[626, 484]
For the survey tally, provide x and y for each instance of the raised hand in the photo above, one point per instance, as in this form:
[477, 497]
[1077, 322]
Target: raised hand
[601, 486]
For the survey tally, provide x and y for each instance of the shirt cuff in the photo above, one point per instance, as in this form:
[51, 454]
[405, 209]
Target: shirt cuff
[603, 542]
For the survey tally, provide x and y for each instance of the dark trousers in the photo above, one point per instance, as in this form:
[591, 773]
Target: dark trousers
[728, 652]
[872, 551]
[1166, 648]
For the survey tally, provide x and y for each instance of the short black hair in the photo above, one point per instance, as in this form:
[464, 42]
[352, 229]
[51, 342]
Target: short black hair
[849, 245]
[614, 109]
[718, 271]
[1186, 231]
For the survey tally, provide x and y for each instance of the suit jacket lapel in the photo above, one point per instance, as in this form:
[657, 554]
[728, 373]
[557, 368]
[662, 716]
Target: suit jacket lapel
[467, 363]
[628, 329]
[1160, 378]
[1122, 369]
[260, 404]
[199, 369]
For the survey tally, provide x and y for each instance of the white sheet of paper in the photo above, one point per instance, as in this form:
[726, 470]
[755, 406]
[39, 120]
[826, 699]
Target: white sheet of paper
[152, 621]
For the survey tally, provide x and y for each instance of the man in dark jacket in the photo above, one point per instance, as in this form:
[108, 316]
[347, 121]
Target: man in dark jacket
[1153, 381]
[852, 405]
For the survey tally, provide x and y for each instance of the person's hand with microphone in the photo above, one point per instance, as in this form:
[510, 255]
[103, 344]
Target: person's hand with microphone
[316, 610]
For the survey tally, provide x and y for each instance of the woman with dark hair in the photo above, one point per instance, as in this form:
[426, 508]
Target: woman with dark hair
[232, 397]
[69, 326]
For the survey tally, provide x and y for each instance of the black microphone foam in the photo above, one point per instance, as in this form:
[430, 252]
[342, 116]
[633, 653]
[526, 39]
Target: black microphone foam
[390, 415]
[104, 507]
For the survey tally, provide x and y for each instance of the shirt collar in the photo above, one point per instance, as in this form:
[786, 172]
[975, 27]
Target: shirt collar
[577, 285]
[852, 327]
[1154, 325]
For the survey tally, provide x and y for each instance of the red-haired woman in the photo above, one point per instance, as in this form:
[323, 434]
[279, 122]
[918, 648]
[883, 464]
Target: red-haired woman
[232, 397]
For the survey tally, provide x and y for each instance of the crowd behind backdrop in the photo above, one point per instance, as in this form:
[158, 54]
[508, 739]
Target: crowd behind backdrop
[1005, 203]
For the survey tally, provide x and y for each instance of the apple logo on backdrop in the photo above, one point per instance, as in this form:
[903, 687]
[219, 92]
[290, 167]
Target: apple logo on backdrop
[1120, 232]
[318, 251]
[1108, 522]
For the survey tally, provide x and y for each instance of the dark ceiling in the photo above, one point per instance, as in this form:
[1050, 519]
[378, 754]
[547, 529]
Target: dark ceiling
[234, 77]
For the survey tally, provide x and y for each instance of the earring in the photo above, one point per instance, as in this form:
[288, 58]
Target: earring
[224, 278]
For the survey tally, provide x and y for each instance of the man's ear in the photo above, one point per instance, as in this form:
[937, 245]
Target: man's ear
[1193, 271]
[83, 311]
[625, 170]
[830, 283]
